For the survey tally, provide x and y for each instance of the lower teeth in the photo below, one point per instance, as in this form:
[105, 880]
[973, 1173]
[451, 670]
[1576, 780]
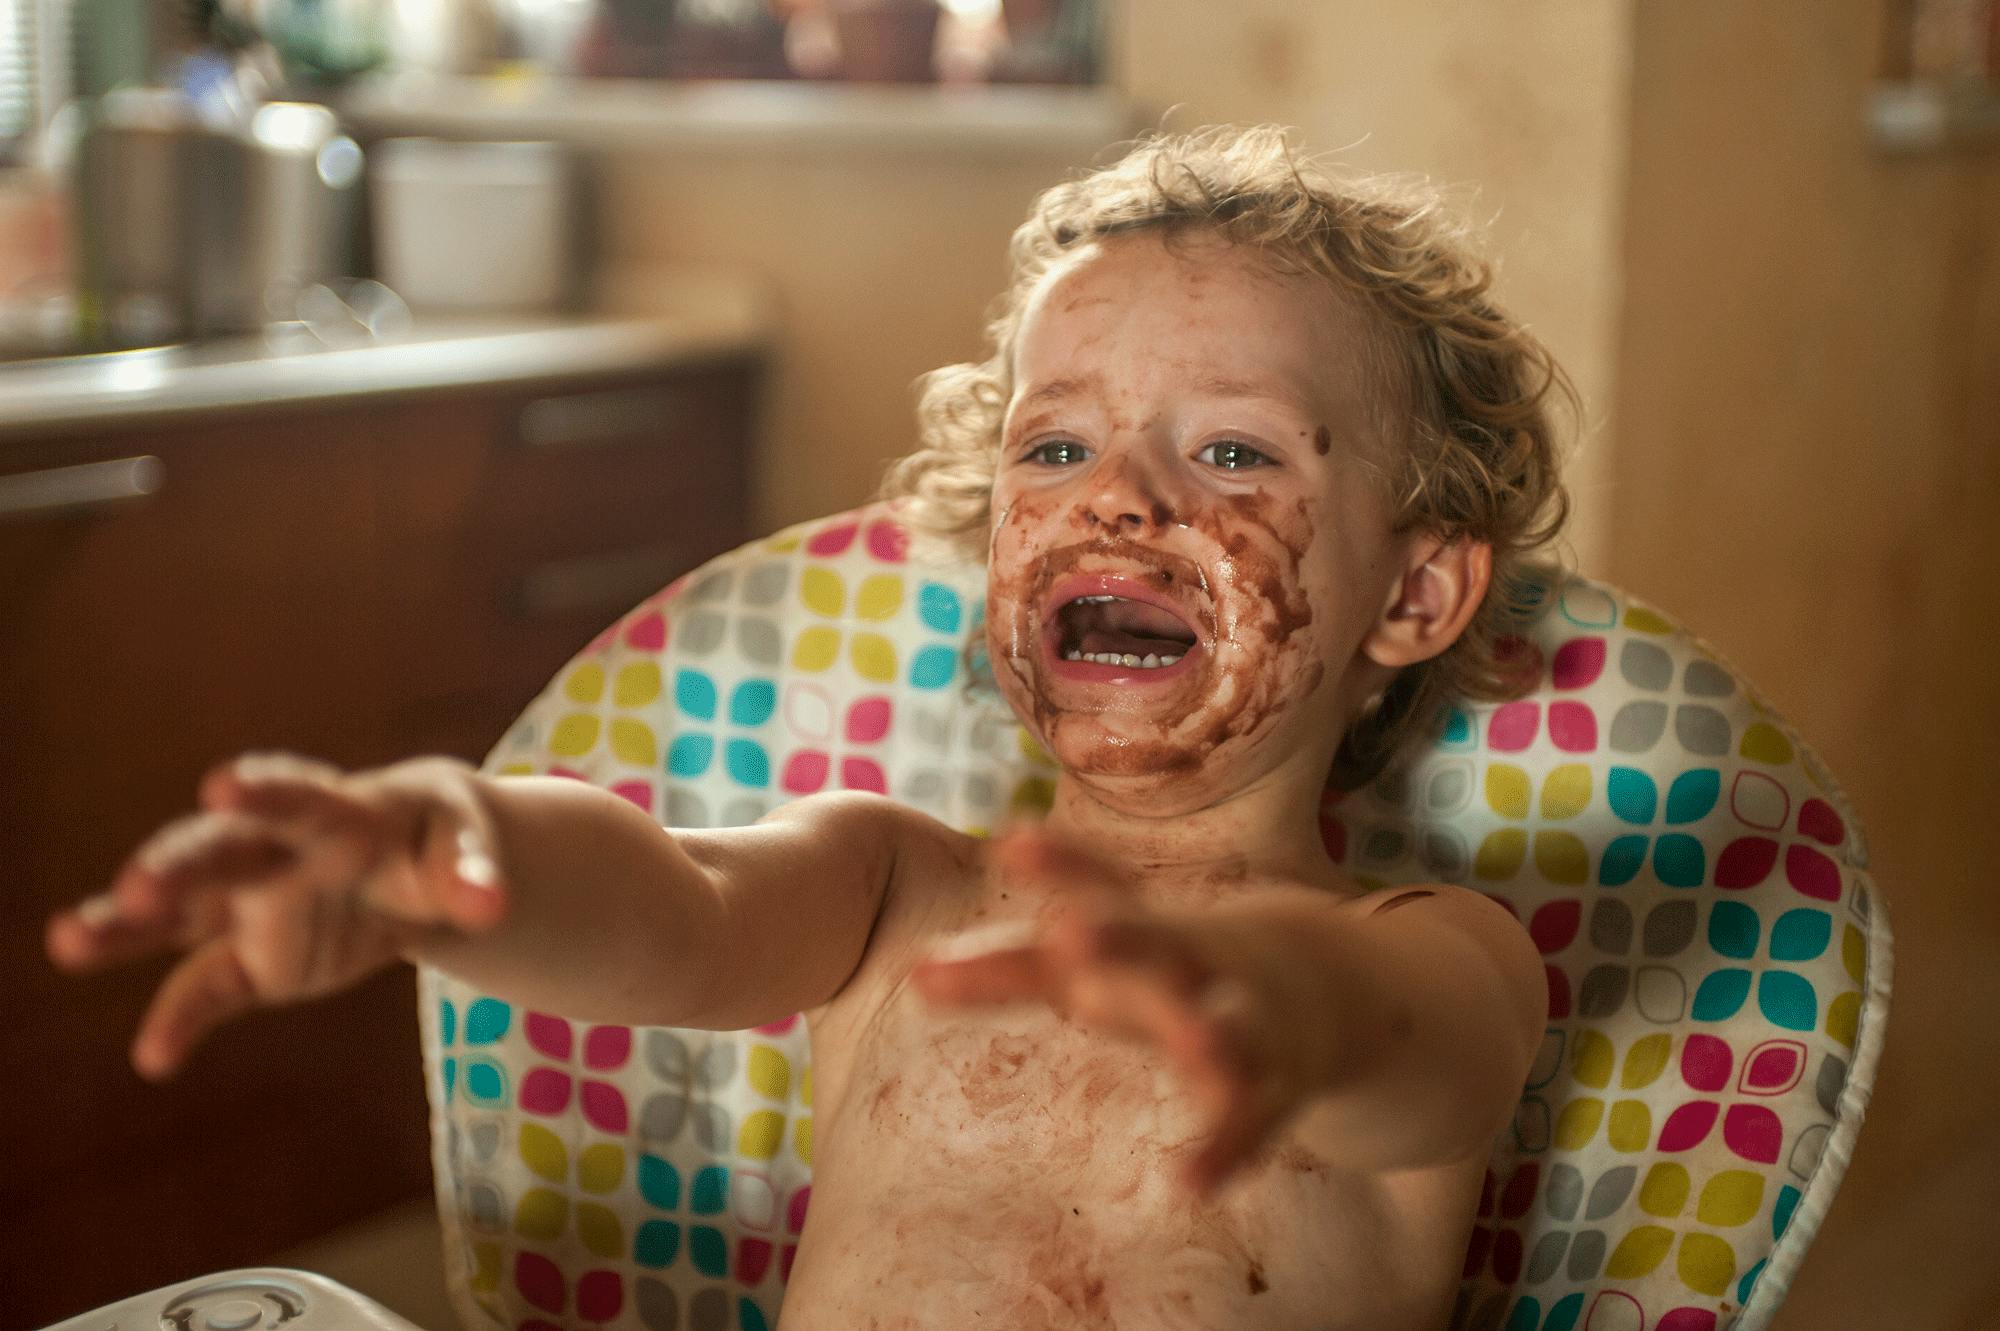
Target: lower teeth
[1128, 659]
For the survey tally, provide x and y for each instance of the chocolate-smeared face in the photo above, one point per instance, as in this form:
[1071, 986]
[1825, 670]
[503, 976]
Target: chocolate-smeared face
[1188, 545]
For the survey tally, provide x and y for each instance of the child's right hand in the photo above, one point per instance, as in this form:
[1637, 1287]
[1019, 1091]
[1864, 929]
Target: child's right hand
[294, 881]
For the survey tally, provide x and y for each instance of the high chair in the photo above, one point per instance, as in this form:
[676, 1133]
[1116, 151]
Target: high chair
[1718, 963]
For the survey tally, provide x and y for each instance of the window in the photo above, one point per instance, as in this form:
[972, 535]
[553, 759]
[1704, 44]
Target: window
[32, 69]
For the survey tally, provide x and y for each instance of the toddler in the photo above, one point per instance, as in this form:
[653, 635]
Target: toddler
[1253, 464]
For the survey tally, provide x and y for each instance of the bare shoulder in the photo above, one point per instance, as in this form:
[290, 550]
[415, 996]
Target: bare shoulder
[894, 838]
[918, 874]
[1491, 926]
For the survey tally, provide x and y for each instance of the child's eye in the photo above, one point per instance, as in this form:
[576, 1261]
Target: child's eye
[1057, 453]
[1232, 456]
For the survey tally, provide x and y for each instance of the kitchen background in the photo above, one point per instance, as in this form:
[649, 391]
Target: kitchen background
[1763, 238]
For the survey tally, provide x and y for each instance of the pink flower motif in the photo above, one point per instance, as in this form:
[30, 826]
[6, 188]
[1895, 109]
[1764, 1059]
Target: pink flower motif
[832, 540]
[1705, 1063]
[1520, 1191]
[1578, 662]
[805, 772]
[868, 720]
[1773, 1068]
[599, 1295]
[637, 793]
[546, 1090]
[607, 1047]
[1555, 924]
[1818, 820]
[1572, 727]
[795, 1222]
[1745, 862]
[1513, 726]
[647, 633]
[753, 1259]
[604, 1107]
[1812, 873]
[1753, 1132]
[549, 1036]
[863, 774]
[887, 542]
[540, 1282]
[1688, 1126]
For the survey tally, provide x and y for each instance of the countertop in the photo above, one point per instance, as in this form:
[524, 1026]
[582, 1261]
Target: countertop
[674, 318]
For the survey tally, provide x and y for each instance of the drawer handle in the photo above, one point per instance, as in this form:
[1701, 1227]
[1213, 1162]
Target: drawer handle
[80, 488]
[579, 420]
[603, 584]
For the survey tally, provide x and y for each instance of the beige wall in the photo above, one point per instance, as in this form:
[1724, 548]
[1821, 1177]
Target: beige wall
[1520, 106]
[1808, 469]
[885, 258]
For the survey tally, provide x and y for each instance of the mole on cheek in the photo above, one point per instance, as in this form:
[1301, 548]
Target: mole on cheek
[1322, 440]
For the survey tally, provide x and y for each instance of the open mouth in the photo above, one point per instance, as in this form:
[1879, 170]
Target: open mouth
[1099, 626]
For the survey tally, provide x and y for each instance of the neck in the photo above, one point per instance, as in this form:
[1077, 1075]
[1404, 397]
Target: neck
[1267, 831]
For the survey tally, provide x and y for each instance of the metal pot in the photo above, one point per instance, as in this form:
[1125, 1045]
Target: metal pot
[188, 229]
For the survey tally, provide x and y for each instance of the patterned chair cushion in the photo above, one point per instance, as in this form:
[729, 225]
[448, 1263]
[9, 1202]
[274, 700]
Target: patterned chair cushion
[1717, 963]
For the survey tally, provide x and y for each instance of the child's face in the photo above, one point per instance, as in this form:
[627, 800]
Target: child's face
[1188, 437]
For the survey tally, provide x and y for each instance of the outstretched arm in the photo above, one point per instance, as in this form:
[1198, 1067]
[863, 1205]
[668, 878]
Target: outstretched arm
[296, 880]
[612, 919]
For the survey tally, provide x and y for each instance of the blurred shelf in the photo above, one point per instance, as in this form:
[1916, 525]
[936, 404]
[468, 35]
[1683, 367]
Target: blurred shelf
[1929, 117]
[737, 115]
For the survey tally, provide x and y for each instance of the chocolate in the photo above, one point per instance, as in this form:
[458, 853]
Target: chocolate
[1247, 602]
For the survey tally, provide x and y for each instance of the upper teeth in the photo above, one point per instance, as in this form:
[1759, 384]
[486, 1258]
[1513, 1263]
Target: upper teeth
[1147, 662]
[1095, 600]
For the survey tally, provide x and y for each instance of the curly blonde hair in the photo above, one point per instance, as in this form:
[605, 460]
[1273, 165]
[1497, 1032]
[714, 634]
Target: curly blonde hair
[1481, 458]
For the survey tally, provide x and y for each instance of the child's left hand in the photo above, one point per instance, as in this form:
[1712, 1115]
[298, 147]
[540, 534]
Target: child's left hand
[1223, 994]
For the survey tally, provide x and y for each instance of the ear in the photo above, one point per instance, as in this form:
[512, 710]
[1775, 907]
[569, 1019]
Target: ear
[1436, 596]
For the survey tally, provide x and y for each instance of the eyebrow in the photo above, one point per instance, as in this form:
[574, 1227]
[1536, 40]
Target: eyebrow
[1221, 385]
[1061, 388]
[1211, 385]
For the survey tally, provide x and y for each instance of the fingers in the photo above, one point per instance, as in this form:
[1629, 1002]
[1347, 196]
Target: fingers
[451, 869]
[207, 989]
[94, 935]
[1034, 852]
[1247, 1123]
[413, 836]
[412, 842]
[1010, 975]
[1230, 1080]
[340, 836]
[276, 784]
[201, 851]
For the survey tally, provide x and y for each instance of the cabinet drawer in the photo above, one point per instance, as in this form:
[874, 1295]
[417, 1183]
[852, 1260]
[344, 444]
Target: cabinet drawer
[526, 532]
[620, 462]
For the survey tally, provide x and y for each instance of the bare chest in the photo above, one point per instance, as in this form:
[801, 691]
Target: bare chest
[1018, 1166]
[1010, 1168]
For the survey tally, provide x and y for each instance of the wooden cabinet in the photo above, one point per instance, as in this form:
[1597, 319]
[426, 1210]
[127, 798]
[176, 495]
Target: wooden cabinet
[362, 582]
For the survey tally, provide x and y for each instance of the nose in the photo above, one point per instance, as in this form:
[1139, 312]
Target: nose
[1125, 497]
